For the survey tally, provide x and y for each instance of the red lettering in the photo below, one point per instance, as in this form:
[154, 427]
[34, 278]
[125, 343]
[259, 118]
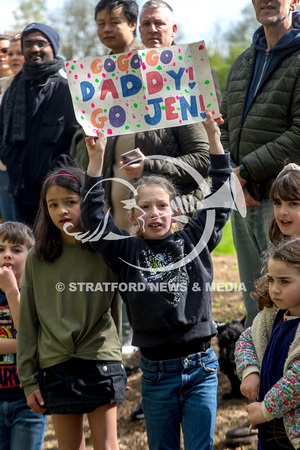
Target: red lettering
[8, 377]
[170, 115]
[154, 82]
[202, 107]
[108, 86]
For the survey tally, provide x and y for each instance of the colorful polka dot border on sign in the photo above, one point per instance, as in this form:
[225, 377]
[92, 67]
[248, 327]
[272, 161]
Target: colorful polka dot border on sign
[149, 88]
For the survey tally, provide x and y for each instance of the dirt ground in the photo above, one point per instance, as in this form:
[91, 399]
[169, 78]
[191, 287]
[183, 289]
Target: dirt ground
[227, 305]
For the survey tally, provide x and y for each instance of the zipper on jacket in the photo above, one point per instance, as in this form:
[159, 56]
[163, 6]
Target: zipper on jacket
[262, 73]
[255, 93]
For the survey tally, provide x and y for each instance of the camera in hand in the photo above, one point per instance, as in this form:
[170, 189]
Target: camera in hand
[130, 157]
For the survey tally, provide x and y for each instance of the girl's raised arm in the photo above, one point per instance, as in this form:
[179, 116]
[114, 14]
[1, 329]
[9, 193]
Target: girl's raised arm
[213, 133]
[96, 148]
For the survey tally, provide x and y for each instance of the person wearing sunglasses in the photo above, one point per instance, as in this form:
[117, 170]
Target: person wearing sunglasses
[15, 62]
[5, 70]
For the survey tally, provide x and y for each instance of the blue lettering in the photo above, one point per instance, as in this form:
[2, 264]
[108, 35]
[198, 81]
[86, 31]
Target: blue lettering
[87, 90]
[136, 85]
[109, 65]
[176, 76]
[166, 56]
[157, 112]
[192, 108]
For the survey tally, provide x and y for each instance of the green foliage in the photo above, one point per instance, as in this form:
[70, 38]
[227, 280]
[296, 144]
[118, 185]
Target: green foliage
[226, 246]
[222, 63]
[29, 11]
[221, 66]
[73, 20]
[242, 31]
[76, 25]
[234, 42]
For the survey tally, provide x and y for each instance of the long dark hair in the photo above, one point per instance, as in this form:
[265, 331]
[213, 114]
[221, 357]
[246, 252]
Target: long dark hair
[48, 238]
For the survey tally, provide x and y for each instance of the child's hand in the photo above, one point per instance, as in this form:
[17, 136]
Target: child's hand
[210, 124]
[96, 148]
[213, 133]
[96, 144]
[250, 385]
[220, 119]
[36, 402]
[255, 414]
[8, 281]
[136, 169]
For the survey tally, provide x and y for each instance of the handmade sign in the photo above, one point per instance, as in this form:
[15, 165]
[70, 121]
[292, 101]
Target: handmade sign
[149, 88]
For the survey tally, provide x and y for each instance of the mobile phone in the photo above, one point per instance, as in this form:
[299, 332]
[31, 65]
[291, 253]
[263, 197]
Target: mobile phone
[130, 157]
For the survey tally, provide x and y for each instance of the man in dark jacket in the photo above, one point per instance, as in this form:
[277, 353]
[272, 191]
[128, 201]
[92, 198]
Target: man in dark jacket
[37, 120]
[187, 143]
[261, 130]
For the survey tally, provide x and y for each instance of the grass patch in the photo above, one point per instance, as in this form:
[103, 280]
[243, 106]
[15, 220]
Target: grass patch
[226, 246]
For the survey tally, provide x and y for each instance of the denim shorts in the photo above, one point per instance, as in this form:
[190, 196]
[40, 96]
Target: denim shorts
[78, 386]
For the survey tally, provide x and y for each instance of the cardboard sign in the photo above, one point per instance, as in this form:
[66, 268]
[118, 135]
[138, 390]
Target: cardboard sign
[149, 88]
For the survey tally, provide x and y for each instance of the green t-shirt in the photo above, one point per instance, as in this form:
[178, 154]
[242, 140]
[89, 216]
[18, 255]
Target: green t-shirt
[66, 311]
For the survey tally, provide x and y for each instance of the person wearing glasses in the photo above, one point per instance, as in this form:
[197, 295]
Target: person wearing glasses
[5, 70]
[37, 120]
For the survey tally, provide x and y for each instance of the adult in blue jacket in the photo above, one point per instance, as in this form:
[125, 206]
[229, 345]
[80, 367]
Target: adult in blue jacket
[37, 120]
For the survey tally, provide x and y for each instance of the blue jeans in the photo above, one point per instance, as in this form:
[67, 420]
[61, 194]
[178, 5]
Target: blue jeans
[5, 198]
[251, 239]
[20, 427]
[180, 391]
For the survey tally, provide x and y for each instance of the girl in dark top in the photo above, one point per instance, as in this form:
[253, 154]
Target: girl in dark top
[165, 279]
